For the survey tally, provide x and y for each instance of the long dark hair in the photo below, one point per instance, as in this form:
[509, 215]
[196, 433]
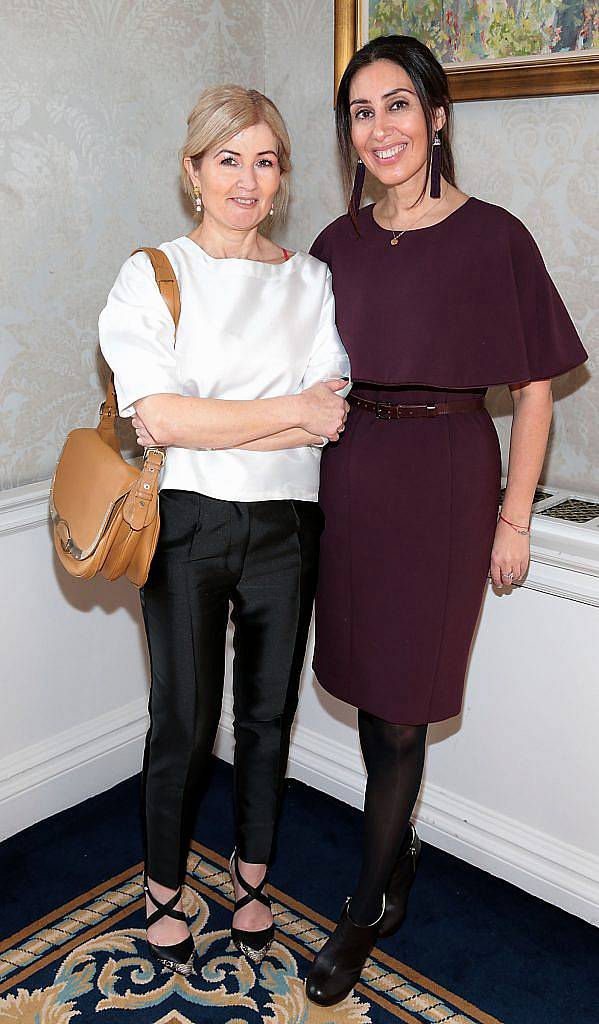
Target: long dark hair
[429, 81]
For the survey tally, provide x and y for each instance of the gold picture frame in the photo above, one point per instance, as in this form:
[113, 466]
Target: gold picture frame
[534, 76]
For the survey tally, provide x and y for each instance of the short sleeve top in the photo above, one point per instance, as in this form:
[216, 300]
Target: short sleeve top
[465, 303]
[247, 330]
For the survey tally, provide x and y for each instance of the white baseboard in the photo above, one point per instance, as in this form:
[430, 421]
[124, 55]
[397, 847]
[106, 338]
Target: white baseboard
[535, 862]
[70, 767]
[91, 758]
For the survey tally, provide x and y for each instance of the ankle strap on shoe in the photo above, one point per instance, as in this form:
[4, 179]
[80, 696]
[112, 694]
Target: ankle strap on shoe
[254, 892]
[372, 925]
[164, 909]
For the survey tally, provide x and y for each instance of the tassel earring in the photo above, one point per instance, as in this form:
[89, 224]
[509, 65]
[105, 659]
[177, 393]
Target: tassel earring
[436, 167]
[198, 198]
[356, 195]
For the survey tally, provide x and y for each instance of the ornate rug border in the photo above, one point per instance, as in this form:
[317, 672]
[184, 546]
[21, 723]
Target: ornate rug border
[214, 892]
[420, 979]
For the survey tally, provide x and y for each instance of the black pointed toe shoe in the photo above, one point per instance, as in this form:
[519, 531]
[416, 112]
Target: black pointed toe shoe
[178, 957]
[402, 879]
[253, 945]
[339, 964]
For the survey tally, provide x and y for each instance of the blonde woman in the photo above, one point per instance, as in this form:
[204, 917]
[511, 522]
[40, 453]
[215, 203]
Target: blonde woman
[243, 403]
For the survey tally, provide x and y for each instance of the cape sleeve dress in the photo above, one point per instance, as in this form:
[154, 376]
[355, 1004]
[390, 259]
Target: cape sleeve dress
[411, 504]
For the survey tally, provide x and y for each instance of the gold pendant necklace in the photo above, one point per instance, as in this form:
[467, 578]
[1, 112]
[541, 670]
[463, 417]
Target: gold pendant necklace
[397, 234]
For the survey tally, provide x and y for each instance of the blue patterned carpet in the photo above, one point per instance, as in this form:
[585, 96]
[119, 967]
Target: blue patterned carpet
[474, 949]
[88, 957]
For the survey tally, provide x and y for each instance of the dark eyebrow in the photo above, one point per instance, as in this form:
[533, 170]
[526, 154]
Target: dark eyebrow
[265, 152]
[386, 95]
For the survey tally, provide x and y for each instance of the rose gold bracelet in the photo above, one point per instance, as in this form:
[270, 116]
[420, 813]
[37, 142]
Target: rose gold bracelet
[524, 531]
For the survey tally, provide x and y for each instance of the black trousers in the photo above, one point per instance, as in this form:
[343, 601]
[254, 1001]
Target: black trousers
[263, 557]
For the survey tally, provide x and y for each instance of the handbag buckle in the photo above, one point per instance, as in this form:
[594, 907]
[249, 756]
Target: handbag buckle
[155, 451]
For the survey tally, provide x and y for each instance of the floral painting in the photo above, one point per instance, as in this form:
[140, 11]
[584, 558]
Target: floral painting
[464, 31]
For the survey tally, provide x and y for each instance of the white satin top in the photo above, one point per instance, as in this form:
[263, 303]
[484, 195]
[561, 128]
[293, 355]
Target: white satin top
[247, 330]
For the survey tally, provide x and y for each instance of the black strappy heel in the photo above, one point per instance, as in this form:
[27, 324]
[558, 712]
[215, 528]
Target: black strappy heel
[253, 945]
[179, 957]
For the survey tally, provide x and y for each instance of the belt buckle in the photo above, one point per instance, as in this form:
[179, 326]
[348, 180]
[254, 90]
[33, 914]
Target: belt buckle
[431, 410]
[380, 414]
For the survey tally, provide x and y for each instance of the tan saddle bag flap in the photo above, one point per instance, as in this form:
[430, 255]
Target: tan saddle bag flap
[104, 510]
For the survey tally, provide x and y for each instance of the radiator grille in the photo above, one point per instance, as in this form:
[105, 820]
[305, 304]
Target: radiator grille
[573, 509]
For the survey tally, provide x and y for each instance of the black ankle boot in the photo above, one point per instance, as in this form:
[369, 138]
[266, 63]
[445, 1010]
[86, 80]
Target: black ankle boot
[338, 966]
[402, 878]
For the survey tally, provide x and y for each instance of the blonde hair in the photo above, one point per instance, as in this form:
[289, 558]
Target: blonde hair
[220, 113]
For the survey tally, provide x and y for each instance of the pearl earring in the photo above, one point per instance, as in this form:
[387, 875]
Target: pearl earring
[198, 198]
[272, 210]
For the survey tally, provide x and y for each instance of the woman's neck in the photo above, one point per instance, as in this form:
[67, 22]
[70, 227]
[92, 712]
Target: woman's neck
[404, 203]
[222, 242]
[402, 208]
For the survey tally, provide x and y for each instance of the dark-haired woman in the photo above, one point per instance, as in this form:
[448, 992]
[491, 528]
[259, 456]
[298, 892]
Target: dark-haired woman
[438, 295]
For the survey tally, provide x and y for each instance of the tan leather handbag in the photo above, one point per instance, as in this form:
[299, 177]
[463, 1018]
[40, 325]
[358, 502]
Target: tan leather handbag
[104, 510]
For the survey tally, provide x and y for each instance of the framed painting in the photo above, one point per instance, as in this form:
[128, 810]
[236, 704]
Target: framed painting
[489, 48]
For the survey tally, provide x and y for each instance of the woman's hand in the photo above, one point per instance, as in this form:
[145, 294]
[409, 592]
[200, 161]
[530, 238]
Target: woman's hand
[144, 438]
[322, 411]
[510, 556]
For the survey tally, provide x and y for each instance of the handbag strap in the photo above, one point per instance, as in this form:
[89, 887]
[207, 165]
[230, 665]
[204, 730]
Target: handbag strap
[169, 289]
[166, 280]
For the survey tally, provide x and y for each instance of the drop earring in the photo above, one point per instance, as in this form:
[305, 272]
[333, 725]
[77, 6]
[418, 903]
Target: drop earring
[272, 210]
[436, 167]
[198, 198]
[356, 195]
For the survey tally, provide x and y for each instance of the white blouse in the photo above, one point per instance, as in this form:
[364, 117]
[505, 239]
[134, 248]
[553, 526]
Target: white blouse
[247, 330]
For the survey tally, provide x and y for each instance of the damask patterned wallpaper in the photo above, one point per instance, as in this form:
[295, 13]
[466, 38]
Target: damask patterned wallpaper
[92, 111]
[93, 100]
[539, 158]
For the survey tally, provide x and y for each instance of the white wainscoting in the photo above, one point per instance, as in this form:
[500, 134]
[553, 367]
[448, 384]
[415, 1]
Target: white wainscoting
[510, 786]
[542, 865]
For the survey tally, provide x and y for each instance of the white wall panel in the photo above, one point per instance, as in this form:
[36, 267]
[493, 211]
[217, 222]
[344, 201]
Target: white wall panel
[510, 785]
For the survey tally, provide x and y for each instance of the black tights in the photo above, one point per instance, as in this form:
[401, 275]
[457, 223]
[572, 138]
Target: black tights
[394, 759]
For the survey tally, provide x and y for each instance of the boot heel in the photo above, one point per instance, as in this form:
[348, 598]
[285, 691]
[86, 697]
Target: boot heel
[398, 891]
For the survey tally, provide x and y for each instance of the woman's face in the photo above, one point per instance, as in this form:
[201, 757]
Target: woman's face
[388, 123]
[239, 180]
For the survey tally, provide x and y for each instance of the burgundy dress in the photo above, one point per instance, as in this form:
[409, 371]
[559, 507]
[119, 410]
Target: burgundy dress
[411, 504]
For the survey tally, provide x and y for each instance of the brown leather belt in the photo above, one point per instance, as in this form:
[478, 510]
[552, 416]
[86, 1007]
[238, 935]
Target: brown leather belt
[390, 411]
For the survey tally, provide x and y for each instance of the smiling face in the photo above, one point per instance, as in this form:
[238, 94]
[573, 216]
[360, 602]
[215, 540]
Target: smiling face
[239, 180]
[388, 124]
